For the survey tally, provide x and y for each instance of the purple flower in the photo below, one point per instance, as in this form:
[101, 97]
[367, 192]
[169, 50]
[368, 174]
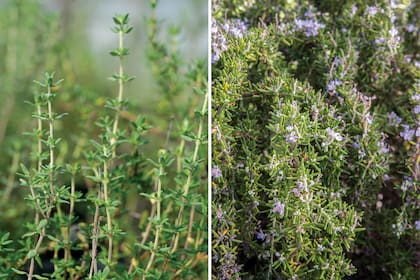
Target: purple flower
[291, 136]
[393, 118]
[331, 86]
[380, 40]
[309, 13]
[234, 27]
[236, 269]
[353, 9]
[415, 97]
[278, 207]
[260, 235]
[408, 133]
[369, 118]
[309, 26]
[222, 237]
[302, 185]
[332, 135]
[219, 214]
[219, 41]
[411, 28]
[393, 4]
[384, 147]
[394, 33]
[417, 224]
[416, 110]
[362, 153]
[216, 172]
[407, 184]
[356, 145]
[372, 11]
[215, 257]
[229, 267]
[393, 18]
[296, 192]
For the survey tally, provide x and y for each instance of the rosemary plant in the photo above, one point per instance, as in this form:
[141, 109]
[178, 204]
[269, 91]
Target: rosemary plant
[315, 132]
[97, 206]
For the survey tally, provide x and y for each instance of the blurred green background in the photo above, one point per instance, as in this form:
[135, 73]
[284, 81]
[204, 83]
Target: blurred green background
[73, 39]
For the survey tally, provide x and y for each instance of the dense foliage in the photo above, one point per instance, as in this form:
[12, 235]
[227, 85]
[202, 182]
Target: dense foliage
[315, 132]
[97, 205]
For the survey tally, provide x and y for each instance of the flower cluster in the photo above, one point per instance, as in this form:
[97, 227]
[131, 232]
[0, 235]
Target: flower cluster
[332, 85]
[220, 34]
[310, 26]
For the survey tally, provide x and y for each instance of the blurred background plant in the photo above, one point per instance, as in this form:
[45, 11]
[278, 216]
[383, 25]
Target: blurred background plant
[155, 132]
[316, 106]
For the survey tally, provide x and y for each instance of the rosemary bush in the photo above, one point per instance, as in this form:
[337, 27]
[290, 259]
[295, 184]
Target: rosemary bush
[104, 210]
[315, 128]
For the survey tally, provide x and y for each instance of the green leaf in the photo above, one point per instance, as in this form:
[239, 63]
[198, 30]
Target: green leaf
[187, 138]
[5, 237]
[123, 51]
[20, 272]
[114, 53]
[119, 52]
[148, 195]
[127, 78]
[60, 116]
[153, 3]
[144, 247]
[199, 91]
[42, 224]
[125, 19]
[52, 238]
[32, 253]
[58, 82]
[115, 77]
[40, 277]
[117, 20]
[29, 234]
[94, 178]
[128, 30]
[24, 170]
[39, 83]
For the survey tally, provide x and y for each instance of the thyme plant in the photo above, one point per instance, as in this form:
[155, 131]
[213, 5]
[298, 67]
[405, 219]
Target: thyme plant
[104, 210]
[314, 131]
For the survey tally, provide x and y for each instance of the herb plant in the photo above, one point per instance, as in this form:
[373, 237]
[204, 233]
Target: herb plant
[106, 210]
[315, 140]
